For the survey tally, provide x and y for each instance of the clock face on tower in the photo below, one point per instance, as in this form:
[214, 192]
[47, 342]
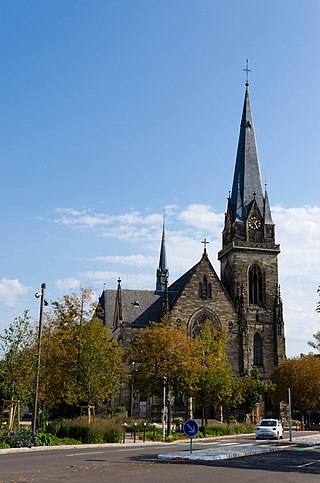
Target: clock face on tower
[254, 223]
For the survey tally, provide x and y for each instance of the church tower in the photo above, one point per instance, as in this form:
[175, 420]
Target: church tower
[249, 258]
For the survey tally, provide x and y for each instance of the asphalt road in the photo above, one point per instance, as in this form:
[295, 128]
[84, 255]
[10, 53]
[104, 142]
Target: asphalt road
[136, 464]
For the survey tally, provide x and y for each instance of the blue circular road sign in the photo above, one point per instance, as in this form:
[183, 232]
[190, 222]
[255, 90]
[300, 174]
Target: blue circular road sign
[190, 428]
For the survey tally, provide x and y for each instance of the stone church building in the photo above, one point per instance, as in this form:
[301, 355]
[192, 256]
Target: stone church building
[245, 300]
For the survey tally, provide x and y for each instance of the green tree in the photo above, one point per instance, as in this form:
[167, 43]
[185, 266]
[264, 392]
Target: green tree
[316, 343]
[215, 375]
[302, 376]
[165, 355]
[17, 375]
[250, 388]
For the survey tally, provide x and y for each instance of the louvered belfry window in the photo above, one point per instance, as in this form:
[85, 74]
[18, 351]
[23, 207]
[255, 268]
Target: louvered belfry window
[255, 285]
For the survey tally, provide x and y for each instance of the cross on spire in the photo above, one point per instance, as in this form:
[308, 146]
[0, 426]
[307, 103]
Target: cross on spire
[205, 242]
[247, 70]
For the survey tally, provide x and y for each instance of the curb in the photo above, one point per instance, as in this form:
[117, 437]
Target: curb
[209, 455]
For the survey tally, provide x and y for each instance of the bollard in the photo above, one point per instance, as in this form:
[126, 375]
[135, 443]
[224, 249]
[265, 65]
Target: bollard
[124, 432]
[154, 432]
[135, 432]
[144, 432]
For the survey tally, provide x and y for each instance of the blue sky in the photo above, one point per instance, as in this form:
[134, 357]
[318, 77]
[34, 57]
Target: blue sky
[112, 111]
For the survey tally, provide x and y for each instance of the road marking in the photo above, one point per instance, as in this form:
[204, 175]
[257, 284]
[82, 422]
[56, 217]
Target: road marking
[83, 454]
[306, 464]
[309, 448]
[133, 449]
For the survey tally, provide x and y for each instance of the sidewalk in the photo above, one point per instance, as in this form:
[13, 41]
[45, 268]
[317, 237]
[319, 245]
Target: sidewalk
[236, 451]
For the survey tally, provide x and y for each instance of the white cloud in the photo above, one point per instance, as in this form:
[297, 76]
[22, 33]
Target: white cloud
[67, 284]
[131, 260]
[132, 280]
[297, 231]
[82, 219]
[202, 217]
[10, 290]
[87, 219]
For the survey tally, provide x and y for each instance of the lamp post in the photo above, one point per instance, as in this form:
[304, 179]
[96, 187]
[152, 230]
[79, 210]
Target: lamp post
[132, 388]
[164, 411]
[38, 295]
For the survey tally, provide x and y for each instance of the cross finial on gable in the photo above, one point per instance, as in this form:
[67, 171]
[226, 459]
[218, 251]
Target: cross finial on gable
[205, 242]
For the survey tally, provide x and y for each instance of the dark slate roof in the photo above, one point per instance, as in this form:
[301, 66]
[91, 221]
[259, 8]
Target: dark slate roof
[175, 289]
[247, 174]
[138, 306]
[267, 211]
[163, 255]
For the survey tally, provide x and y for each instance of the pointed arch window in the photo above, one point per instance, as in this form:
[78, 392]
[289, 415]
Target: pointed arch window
[257, 350]
[255, 285]
[199, 319]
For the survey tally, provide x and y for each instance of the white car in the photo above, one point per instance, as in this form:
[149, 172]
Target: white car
[269, 428]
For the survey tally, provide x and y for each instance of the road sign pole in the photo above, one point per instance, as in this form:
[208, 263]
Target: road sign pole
[190, 428]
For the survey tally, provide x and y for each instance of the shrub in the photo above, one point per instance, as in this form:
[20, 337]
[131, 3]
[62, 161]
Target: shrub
[227, 429]
[67, 441]
[44, 439]
[22, 438]
[4, 440]
[100, 431]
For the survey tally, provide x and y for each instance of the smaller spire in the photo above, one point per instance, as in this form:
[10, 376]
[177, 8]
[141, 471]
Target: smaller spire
[267, 210]
[117, 316]
[162, 271]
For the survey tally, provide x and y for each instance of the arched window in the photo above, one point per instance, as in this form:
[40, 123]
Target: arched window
[255, 285]
[257, 350]
[199, 319]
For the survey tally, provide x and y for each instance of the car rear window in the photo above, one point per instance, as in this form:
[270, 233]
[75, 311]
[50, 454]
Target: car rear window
[268, 423]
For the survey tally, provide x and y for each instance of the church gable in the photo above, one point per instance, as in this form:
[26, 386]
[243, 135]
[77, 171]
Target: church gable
[201, 296]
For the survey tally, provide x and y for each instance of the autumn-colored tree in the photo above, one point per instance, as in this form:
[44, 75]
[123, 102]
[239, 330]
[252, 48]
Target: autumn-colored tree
[302, 376]
[215, 375]
[17, 374]
[165, 355]
[81, 365]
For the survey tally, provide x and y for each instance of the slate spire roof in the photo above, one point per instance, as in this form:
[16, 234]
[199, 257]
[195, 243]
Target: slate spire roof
[162, 271]
[247, 175]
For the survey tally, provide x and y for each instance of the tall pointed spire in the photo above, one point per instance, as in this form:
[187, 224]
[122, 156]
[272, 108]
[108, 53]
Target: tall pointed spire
[247, 175]
[162, 271]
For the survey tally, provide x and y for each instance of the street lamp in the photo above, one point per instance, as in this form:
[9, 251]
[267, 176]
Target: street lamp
[38, 295]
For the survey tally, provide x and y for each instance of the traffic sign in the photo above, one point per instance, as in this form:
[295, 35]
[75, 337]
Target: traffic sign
[190, 428]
